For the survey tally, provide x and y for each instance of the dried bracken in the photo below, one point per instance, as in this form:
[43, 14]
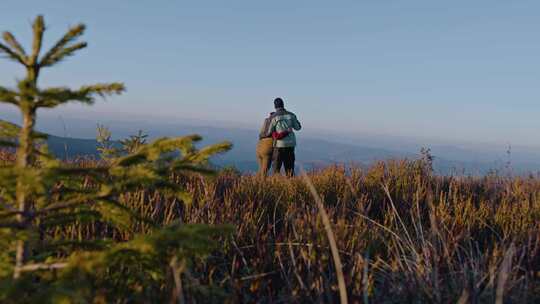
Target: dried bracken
[403, 234]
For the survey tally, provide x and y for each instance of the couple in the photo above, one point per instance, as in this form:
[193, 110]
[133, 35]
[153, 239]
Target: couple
[277, 141]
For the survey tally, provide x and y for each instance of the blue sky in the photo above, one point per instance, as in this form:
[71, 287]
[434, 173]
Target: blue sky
[456, 70]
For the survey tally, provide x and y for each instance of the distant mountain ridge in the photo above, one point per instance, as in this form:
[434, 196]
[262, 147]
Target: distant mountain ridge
[314, 148]
[310, 153]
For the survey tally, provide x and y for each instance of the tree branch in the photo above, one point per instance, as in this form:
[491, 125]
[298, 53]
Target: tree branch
[53, 97]
[38, 28]
[7, 207]
[8, 96]
[16, 225]
[10, 54]
[60, 206]
[42, 266]
[72, 34]
[62, 54]
[15, 45]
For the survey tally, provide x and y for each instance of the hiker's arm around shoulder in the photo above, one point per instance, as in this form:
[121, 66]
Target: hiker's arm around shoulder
[296, 124]
[272, 125]
[265, 132]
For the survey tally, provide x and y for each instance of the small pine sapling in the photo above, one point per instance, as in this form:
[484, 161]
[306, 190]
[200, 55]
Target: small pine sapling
[105, 145]
[134, 142]
[39, 193]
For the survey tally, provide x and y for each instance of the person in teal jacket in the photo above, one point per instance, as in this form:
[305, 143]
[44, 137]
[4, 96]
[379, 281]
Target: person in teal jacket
[282, 126]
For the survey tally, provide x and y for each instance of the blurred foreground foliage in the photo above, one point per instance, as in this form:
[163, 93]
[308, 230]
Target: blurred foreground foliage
[42, 199]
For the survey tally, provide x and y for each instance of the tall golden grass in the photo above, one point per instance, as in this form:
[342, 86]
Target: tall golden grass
[403, 235]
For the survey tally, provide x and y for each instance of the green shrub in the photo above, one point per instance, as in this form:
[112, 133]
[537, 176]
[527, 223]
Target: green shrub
[41, 198]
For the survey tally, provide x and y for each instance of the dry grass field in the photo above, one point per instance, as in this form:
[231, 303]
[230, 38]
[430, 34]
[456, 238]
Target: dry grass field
[403, 234]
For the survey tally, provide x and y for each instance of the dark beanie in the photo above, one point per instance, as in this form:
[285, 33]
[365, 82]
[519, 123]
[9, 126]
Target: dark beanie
[278, 103]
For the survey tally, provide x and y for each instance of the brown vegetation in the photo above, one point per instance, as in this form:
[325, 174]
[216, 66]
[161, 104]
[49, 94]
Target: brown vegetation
[403, 235]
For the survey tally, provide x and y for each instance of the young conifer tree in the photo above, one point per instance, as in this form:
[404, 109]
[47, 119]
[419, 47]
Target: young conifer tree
[39, 192]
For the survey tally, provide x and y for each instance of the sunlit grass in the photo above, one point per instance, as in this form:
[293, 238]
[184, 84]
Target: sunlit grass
[403, 234]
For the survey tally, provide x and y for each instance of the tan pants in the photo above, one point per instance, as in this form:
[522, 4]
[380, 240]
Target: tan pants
[264, 155]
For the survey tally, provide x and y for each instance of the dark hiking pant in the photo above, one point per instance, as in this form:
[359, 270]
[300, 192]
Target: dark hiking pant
[284, 157]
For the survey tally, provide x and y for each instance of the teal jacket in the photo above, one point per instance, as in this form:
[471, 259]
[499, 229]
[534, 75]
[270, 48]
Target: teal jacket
[283, 120]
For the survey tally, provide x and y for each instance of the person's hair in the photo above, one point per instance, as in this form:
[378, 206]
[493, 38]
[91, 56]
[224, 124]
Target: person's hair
[278, 103]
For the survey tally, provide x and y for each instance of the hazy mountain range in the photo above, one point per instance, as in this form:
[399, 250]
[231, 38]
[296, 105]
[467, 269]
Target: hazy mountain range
[72, 137]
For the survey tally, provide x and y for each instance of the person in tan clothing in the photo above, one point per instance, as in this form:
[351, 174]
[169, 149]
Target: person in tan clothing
[265, 147]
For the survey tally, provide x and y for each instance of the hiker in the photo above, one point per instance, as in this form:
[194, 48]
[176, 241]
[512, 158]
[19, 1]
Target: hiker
[265, 147]
[282, 126]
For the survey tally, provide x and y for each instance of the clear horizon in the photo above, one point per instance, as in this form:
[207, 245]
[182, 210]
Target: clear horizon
[456, 71]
